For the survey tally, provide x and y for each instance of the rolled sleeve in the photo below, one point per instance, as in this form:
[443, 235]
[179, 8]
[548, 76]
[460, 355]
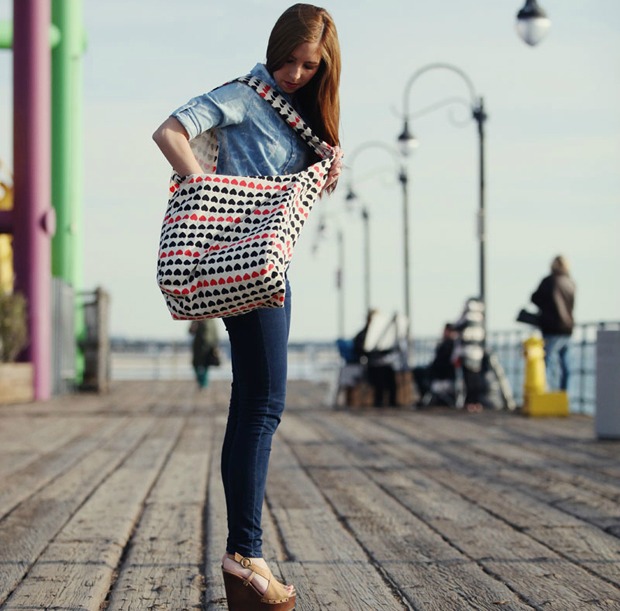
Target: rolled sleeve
[227, 105]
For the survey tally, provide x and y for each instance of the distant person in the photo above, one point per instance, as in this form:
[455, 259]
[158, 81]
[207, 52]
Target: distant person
[469, 352]
[555, 298]
[442, 365]
[360, 338]
[204, 349]
[302, 64]
[379, 363]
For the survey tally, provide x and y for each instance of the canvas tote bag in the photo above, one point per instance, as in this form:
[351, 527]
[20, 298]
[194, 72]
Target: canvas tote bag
[226, 241]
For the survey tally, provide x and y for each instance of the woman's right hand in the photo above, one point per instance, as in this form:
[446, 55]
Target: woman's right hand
[335, 170]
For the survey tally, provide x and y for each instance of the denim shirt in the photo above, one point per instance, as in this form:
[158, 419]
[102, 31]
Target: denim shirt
[253, 138]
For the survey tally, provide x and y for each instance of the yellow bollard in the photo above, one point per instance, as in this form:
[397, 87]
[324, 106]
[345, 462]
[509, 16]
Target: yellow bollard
[536, 400]
[534, 380]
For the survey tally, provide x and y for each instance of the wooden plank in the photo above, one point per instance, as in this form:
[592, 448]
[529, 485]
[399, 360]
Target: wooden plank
[335, 566]
[16, 382]
[484, 483]
[106, 522]
[575, 434]
[553, 482]
[19, 485]
[73, 572]
[440, 510]
[51, 507]
[426, 570]
[512, 556]
[216, 528]
[163, 566]
[42, 435]
[19, 432]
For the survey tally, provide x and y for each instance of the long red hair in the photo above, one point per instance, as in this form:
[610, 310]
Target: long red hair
[320, 98]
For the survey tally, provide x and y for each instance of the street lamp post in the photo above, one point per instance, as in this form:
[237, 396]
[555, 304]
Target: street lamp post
[340, 276]
[402, 177]
[340, 279]
[406, 139]
[351, 197]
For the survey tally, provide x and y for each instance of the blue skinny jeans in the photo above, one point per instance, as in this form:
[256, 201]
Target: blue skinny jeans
[556, 353]
[258, 342]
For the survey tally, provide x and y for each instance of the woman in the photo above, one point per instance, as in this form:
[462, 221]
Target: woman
[303, 64]
[555, 298]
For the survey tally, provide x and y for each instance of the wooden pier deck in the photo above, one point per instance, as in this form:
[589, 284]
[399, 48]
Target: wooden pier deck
[114, 502]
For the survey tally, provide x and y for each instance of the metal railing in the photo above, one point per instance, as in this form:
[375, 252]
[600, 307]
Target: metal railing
[508, 346]
[320, 361]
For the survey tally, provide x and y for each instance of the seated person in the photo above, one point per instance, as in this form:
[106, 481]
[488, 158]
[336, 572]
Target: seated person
[441, 367]
[374, 347]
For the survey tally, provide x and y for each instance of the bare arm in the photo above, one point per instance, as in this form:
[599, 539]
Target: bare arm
[173, 141]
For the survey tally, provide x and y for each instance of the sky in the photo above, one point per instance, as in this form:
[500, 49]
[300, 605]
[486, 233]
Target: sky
[552, 153]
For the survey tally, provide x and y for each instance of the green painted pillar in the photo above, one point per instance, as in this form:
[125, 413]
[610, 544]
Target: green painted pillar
[67, 153]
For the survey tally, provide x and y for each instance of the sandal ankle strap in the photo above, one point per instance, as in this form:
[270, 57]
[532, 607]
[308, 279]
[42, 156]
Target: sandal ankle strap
[276, 591]
[247, 563]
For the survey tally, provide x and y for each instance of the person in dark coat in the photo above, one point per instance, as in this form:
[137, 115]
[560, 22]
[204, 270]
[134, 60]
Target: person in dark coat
[555, 298]
[442, 365]
[379, 365]
[204, 349]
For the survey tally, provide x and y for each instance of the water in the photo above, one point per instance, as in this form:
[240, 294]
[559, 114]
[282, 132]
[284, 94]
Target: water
[320, 361]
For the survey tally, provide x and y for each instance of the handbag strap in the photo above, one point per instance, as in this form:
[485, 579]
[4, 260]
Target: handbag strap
[289, 114]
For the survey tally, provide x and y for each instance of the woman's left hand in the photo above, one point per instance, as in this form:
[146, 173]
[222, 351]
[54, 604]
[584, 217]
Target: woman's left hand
[335, 170]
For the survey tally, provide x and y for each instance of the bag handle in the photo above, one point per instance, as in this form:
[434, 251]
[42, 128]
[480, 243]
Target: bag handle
[289, 114]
